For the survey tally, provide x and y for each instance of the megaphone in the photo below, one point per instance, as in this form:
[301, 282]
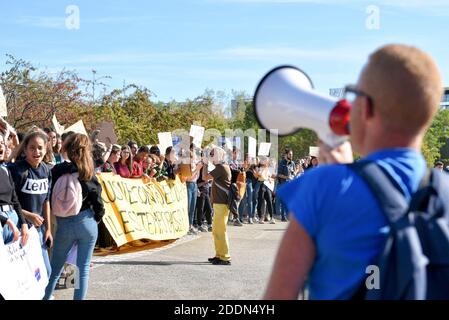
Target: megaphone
[285, 101]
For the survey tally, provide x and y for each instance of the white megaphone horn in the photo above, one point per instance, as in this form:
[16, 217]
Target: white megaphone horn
[285, 101]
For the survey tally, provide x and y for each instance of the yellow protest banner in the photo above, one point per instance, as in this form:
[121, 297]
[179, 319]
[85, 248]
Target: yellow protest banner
[144, 210]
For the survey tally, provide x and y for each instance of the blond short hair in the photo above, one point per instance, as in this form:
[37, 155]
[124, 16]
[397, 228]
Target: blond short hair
[406, 87]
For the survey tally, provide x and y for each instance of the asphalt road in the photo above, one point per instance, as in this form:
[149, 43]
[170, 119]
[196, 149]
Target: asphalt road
[180, 270]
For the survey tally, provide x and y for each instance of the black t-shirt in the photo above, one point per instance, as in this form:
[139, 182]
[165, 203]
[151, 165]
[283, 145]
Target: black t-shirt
[32, 185]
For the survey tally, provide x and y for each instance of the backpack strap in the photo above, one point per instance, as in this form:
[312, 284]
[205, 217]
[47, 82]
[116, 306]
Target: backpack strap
[384, 188]
[389, 196]
[222, 188]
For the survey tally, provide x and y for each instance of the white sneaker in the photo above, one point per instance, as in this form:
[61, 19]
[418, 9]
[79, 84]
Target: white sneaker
[272, 221]
[52, 297]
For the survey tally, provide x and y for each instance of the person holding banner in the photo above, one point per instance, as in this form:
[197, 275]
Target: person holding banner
[80, 228]
[134, 147]
[139, 162]
[113, 158]
[124, 167]
[169, 168]
[32, 179]
[221, 185]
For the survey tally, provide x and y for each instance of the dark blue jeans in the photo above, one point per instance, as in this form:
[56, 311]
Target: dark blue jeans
[83, 230]
[8, 236]
[41, 231]
[256, 195]
[279, 206]
[192, 194]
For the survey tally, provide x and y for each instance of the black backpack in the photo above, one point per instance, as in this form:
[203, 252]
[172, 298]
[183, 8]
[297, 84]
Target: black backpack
[414, 263]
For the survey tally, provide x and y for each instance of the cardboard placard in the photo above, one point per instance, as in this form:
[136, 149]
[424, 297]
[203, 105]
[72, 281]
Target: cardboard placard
[269, 184]
[77, 127]
[107, 133]
[314, 151]
[165, 141]
[264, 149]
[252, 147]
[58, 128]
[24, 275]
[197, 133]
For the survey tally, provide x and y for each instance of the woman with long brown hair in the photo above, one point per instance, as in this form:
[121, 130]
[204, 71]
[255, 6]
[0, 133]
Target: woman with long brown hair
[124, 167]
[80, 227]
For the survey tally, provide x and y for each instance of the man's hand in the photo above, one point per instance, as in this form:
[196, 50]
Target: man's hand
[47, 237]
[34, 218]
[340, 154]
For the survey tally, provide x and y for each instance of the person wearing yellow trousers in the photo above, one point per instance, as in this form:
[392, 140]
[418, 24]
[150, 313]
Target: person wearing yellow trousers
[221, 176]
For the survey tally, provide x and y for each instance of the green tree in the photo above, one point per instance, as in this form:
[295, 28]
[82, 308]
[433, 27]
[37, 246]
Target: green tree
[435, 141]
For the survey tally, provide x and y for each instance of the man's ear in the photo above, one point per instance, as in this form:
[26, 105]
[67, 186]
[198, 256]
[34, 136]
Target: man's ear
[366, 108]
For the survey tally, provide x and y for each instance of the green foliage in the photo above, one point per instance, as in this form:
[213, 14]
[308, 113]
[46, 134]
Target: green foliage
[34, 96]
[435, 141]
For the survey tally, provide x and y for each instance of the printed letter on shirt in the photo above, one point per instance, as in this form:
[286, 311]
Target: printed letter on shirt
[32, 186]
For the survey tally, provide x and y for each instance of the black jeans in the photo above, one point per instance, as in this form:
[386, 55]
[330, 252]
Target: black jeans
[265, 196]
[203, 209]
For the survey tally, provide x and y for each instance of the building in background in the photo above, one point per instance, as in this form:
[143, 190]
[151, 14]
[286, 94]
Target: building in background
[445, 101]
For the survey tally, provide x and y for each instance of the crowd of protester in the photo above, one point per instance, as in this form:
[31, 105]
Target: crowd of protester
[32, 163]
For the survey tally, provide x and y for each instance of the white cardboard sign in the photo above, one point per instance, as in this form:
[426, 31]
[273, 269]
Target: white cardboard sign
[264, 149]
[165, 141]
[23, 274]
[252, 147]
[77, 127]
[197, 133]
